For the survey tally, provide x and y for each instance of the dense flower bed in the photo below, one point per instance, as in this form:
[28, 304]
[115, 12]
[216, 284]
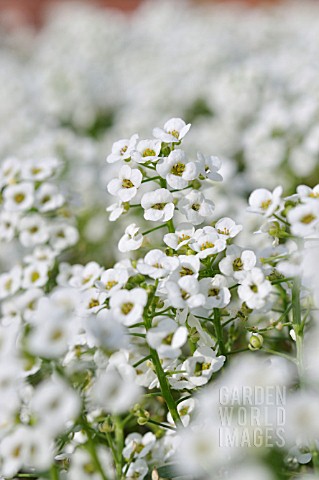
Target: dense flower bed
[175, 334]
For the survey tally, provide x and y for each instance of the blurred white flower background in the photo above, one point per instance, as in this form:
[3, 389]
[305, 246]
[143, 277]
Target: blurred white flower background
[159, 227]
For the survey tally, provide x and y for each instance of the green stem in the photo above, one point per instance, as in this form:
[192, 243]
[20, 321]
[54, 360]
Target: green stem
[155, 228]
[163, 425]
[165, 388]
[170, 226]
[219, 331]
[298, 327]
[54, 472]
[119, 439]
[94, 457]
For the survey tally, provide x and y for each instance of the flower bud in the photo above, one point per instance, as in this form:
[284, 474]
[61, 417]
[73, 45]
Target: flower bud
[256, 341]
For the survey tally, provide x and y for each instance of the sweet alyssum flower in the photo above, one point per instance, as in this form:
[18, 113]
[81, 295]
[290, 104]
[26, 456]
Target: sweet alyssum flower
[183, 235]
[185, 293]
[227, 228]
[174, 131]
[254, 289]
[126, 186]
[237, 261]
[304, 218]
[158, 205]
[196, 207]
[217, 295]
[146, 151]
[265, 202]
[131, 240]
[122, 149]
[156, 264]
[177, 170]
[128, 305]
[207, 242]
[167, 337]
[208, 167]
[19, 197]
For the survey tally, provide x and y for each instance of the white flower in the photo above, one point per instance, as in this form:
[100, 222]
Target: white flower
[207, 242]
[106, 331]
[128, 305]
[189, 265]
[25, 447]
[307, 194]
[304, 219]
[9, 171]
[176, 169]
[122, 149]
[167, 337]
[137, 470]
[81, 462]
[41, 253]
[84, 277]
[52, 324]
[184, 408]
[185, 293]
[48, 198]
[131, 240]
[208, 167]
[196, 207]
[137, 445]
[112, 279]
[237, 261]
[125, 187]
[54, 404]
[92, 300]
[115, 389]
[146, 151]
[38, 170]
[156, 264]
[116, 210]
[19, 197]
[254, 288]
[227, 228]
[201, 366]
[35, 275]
[10, 282]
[27, 302]
[8, 224]
[265, 202]
[33, 231]
[174, 131]
[216, 292]
[182, 236]
[158, 205]
[62, 236]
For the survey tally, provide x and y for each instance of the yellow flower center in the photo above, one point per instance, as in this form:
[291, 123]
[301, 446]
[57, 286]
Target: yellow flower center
[93, 303]
[159, 206]
[213, 292]
[175, 133]
[206, 245]
[196, 207]
[185, 271]
[126, 183]
[178, 169]
[238, 264]
[149, 153]
[308, 218]
[19, 197]
[35, 276]
[127, 307]
[265, 204]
